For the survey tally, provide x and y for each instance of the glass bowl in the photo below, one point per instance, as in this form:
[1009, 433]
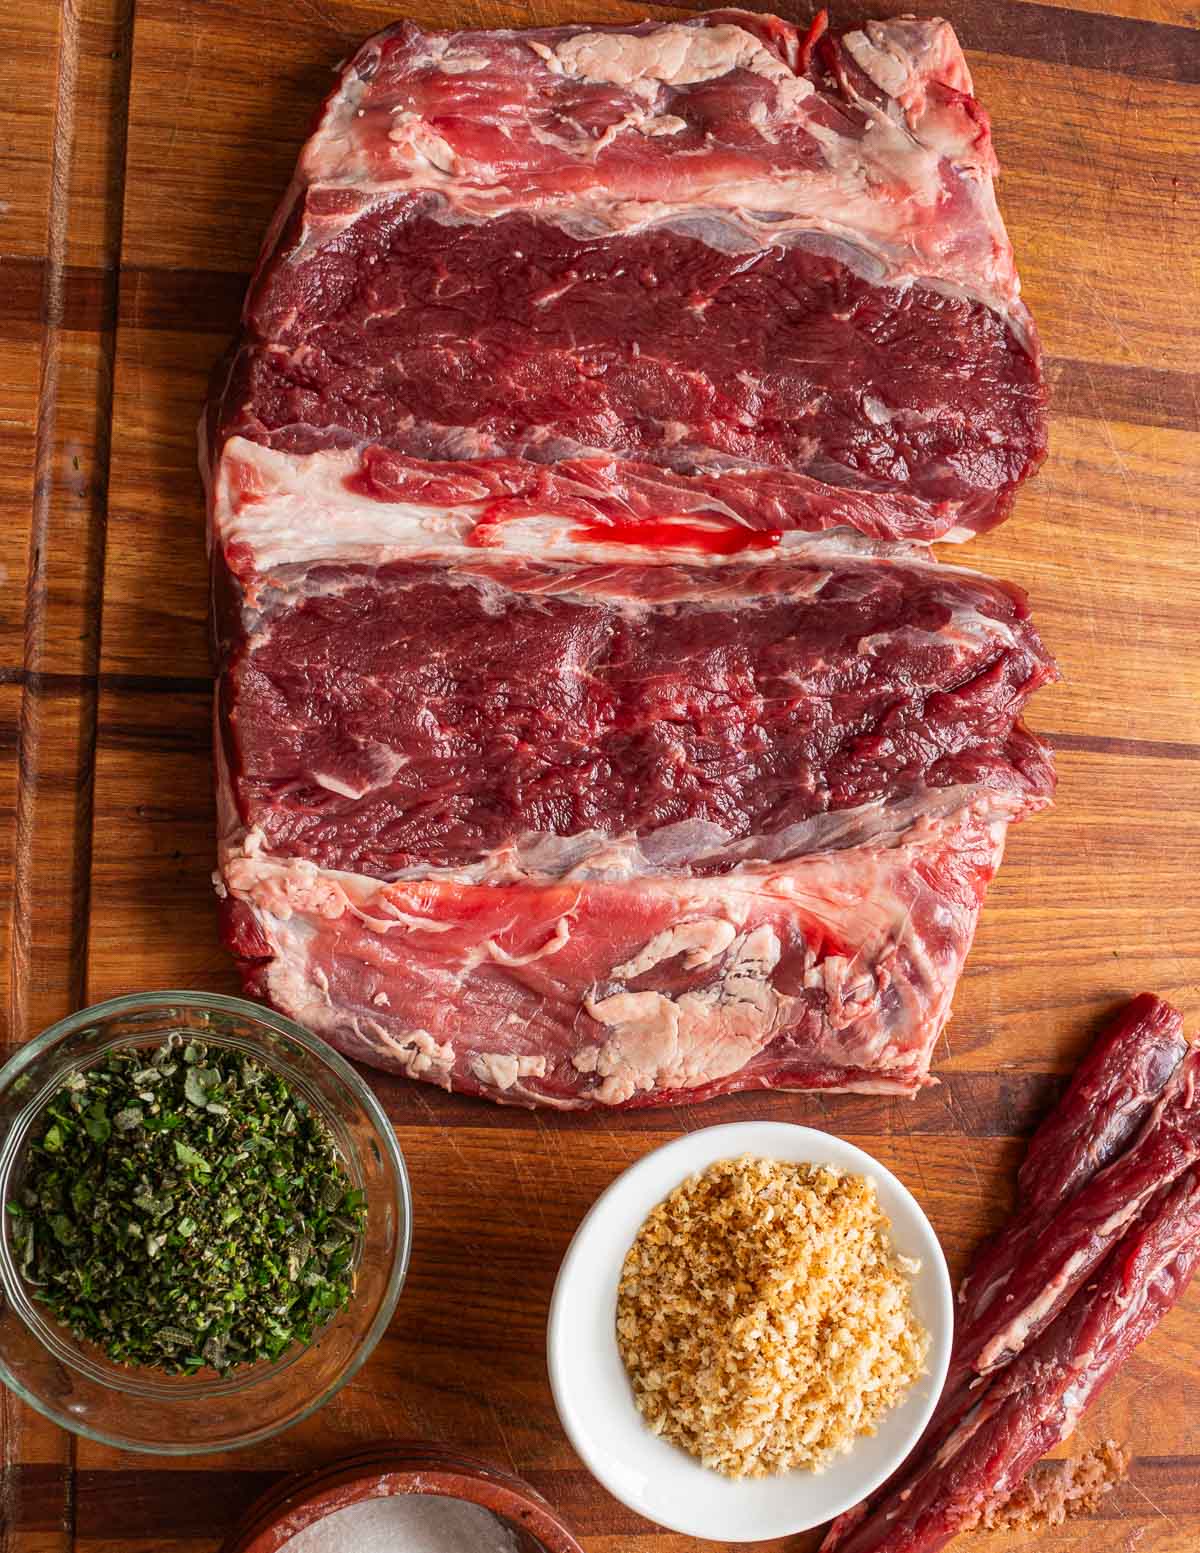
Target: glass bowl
[74, 1383]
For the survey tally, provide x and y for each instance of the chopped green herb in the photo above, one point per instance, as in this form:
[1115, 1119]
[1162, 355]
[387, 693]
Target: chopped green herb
[184, 1208]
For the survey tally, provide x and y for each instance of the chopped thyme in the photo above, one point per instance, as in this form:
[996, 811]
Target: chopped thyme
[182, 1208]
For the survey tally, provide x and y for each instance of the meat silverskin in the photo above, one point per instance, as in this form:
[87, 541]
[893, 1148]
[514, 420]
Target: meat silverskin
[594, 727]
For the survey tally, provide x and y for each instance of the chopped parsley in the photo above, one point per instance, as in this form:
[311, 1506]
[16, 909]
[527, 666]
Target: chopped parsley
[182, 1208]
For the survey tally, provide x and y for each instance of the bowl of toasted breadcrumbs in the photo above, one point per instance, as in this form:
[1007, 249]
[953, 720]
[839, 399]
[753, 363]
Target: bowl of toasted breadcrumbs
[764, 1317]
[749, 1331]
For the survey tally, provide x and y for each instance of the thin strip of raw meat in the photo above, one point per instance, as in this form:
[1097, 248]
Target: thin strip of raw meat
[1112, 1092]
[1061, 1251]
[1035, 1403]
[1108, 1098]
[1067, 1249]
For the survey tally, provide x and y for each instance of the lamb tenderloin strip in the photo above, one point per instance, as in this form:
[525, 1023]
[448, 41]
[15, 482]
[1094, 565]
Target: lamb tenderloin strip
[1072, 1244]
[1062, 1252]
[1108, 1098]
[1035, 1403]
[1113, 1091]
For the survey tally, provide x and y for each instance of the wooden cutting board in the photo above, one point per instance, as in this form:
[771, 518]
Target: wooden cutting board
[144, 149]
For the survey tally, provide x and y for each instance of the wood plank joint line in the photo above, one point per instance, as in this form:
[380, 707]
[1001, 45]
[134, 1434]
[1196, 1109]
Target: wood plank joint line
[64, 585]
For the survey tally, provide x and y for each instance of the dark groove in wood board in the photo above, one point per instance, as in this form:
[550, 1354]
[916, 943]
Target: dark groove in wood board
[22, 283]
[1101, 744]
[128, 1504]
[1112, 391]
[86, 301]
[1052, 35]
[194, 301]
[47, 326]
[133, 1505]
[53, 303]
[138, 684]
[52, 312]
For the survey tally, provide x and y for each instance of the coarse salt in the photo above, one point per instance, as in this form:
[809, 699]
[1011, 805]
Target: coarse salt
[406, 1523]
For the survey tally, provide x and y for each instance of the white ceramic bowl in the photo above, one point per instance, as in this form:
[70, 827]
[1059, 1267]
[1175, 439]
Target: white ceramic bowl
[593, 1394]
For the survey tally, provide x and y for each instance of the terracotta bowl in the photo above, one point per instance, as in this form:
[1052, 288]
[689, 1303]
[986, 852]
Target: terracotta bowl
[400, 1467]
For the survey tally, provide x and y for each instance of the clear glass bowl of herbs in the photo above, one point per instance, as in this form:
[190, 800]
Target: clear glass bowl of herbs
[206, 1223]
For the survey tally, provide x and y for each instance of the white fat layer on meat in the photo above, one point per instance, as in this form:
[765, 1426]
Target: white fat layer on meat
[272, 509]
[381, 767]
[673, 55]
[661, 1042]
[698, 943]
[1012, 1337]
[411, 132]
[887, 66]
[230, 830]
[501, 1070]
[881, 1008]
[295, 984]
[559, 939]
[1015, 1334]
[913, 144]
[463, 63]
[300, 887]
[959, 1436]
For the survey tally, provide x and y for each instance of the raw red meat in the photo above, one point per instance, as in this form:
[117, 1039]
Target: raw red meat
[592, 728]
[1034, 1404]
[1067, 1248]
[832, 971]
[1124, 1132]
[687, 720]
[679, 252]
[1108, 1099]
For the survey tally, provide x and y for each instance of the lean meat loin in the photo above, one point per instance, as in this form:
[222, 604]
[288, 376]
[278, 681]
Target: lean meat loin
[594, 726]
[1047, 1315]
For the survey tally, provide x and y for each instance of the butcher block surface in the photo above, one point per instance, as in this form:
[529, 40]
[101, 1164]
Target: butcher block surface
[142, 150]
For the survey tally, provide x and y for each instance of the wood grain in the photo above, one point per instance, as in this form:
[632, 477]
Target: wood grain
[65, 121]
[116, 296]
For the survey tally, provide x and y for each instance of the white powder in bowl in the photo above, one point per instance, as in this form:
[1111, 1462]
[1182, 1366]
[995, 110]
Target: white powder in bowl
[406, 1523]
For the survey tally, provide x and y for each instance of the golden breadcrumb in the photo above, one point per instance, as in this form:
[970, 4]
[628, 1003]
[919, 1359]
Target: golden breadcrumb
[1055, 1491]
[765, 1319]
